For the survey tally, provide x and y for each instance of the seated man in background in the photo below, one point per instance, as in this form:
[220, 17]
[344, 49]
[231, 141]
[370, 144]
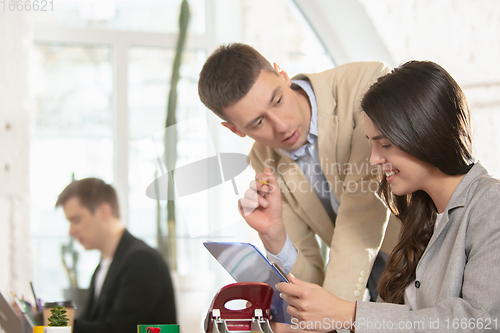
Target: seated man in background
[132, 284]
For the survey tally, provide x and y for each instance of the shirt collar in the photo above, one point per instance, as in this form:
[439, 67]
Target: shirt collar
[312, 136]
[459, 196]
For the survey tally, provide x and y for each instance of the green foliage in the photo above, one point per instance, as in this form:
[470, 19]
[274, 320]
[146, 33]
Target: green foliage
[167, 245]
[70, 259]
[58, 316]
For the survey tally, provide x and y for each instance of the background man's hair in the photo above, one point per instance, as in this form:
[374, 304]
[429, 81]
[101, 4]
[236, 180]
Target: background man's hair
[92, 192]
[229, 74]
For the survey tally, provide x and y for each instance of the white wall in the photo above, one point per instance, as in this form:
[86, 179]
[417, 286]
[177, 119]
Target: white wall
[15, 266]
[463, 36]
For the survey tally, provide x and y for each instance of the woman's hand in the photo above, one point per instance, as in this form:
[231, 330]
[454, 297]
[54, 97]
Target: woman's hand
[262, 210]
[313, 308]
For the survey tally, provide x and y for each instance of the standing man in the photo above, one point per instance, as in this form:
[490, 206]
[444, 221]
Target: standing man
[132, 284]
[309, 133]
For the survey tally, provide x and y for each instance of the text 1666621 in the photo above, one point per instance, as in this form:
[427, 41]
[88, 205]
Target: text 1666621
[27, 5]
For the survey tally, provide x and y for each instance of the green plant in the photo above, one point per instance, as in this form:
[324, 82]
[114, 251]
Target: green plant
[58, 316]
[70, 260]
[69, 257]
[168, 246]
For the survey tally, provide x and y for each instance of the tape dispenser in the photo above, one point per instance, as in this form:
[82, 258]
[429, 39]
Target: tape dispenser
[253, 318]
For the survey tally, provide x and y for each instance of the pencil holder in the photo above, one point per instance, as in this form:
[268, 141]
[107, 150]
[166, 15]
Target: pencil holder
[38, 329]
[55, 329]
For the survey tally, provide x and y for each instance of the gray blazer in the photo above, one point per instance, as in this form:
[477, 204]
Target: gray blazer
[458, 273]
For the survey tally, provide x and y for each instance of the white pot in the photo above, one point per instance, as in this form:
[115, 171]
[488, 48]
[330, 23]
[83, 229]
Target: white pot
[56, 329]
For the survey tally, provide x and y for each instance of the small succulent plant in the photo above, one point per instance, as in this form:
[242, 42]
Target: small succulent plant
[58, 316]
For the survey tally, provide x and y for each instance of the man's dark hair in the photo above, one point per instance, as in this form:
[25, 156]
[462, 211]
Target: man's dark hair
[229, 74]
[92, 192]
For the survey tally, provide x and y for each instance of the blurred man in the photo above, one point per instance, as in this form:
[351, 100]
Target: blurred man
[132, 284]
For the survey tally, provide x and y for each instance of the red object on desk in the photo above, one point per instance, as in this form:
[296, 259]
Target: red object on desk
[258, 294]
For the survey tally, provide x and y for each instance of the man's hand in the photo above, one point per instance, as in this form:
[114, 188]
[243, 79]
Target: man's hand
[262, 210]
[310, 304]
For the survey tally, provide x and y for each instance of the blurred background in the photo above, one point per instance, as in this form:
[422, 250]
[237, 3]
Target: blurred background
[84, 86]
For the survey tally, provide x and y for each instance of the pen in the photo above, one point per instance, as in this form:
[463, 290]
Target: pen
[263, 182]
[34, 295]
[23, 307]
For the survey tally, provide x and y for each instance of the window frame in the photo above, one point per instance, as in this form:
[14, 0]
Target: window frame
[120, 42]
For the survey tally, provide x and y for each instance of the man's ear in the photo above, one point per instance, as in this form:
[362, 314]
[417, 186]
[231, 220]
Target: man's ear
[282, 74]
[233, 129]
[104, 211]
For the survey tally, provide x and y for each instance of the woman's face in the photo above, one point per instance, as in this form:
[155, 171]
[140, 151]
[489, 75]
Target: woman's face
[405, 173]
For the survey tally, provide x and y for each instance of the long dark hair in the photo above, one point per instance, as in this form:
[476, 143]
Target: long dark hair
[421, 109]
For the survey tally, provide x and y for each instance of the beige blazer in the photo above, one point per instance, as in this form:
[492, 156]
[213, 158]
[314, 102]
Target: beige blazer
[344, 153]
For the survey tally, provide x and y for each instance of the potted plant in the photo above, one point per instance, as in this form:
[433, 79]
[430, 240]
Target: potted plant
[58, 321]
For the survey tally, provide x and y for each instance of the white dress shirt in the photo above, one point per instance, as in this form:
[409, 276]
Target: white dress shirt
[101, 276]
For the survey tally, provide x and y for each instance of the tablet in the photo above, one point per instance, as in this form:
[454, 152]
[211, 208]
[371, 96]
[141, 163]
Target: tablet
[245, 263]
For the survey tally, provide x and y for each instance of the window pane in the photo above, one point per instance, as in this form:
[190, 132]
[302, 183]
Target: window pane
[72, 133]
[149, 85]
[306, 52]
[131, 15]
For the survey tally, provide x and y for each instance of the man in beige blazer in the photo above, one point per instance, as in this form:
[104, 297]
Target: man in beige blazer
[289, 119]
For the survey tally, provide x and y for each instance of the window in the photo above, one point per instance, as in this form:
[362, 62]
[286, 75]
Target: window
[149, 85]
[73, 134]
[101, 81]
[126, 15]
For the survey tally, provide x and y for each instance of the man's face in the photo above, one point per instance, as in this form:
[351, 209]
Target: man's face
[272, 113]
[85, 227]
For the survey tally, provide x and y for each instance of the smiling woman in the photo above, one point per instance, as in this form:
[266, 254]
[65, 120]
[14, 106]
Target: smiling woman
[418, 121]
[416, 175]
[428, 132]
